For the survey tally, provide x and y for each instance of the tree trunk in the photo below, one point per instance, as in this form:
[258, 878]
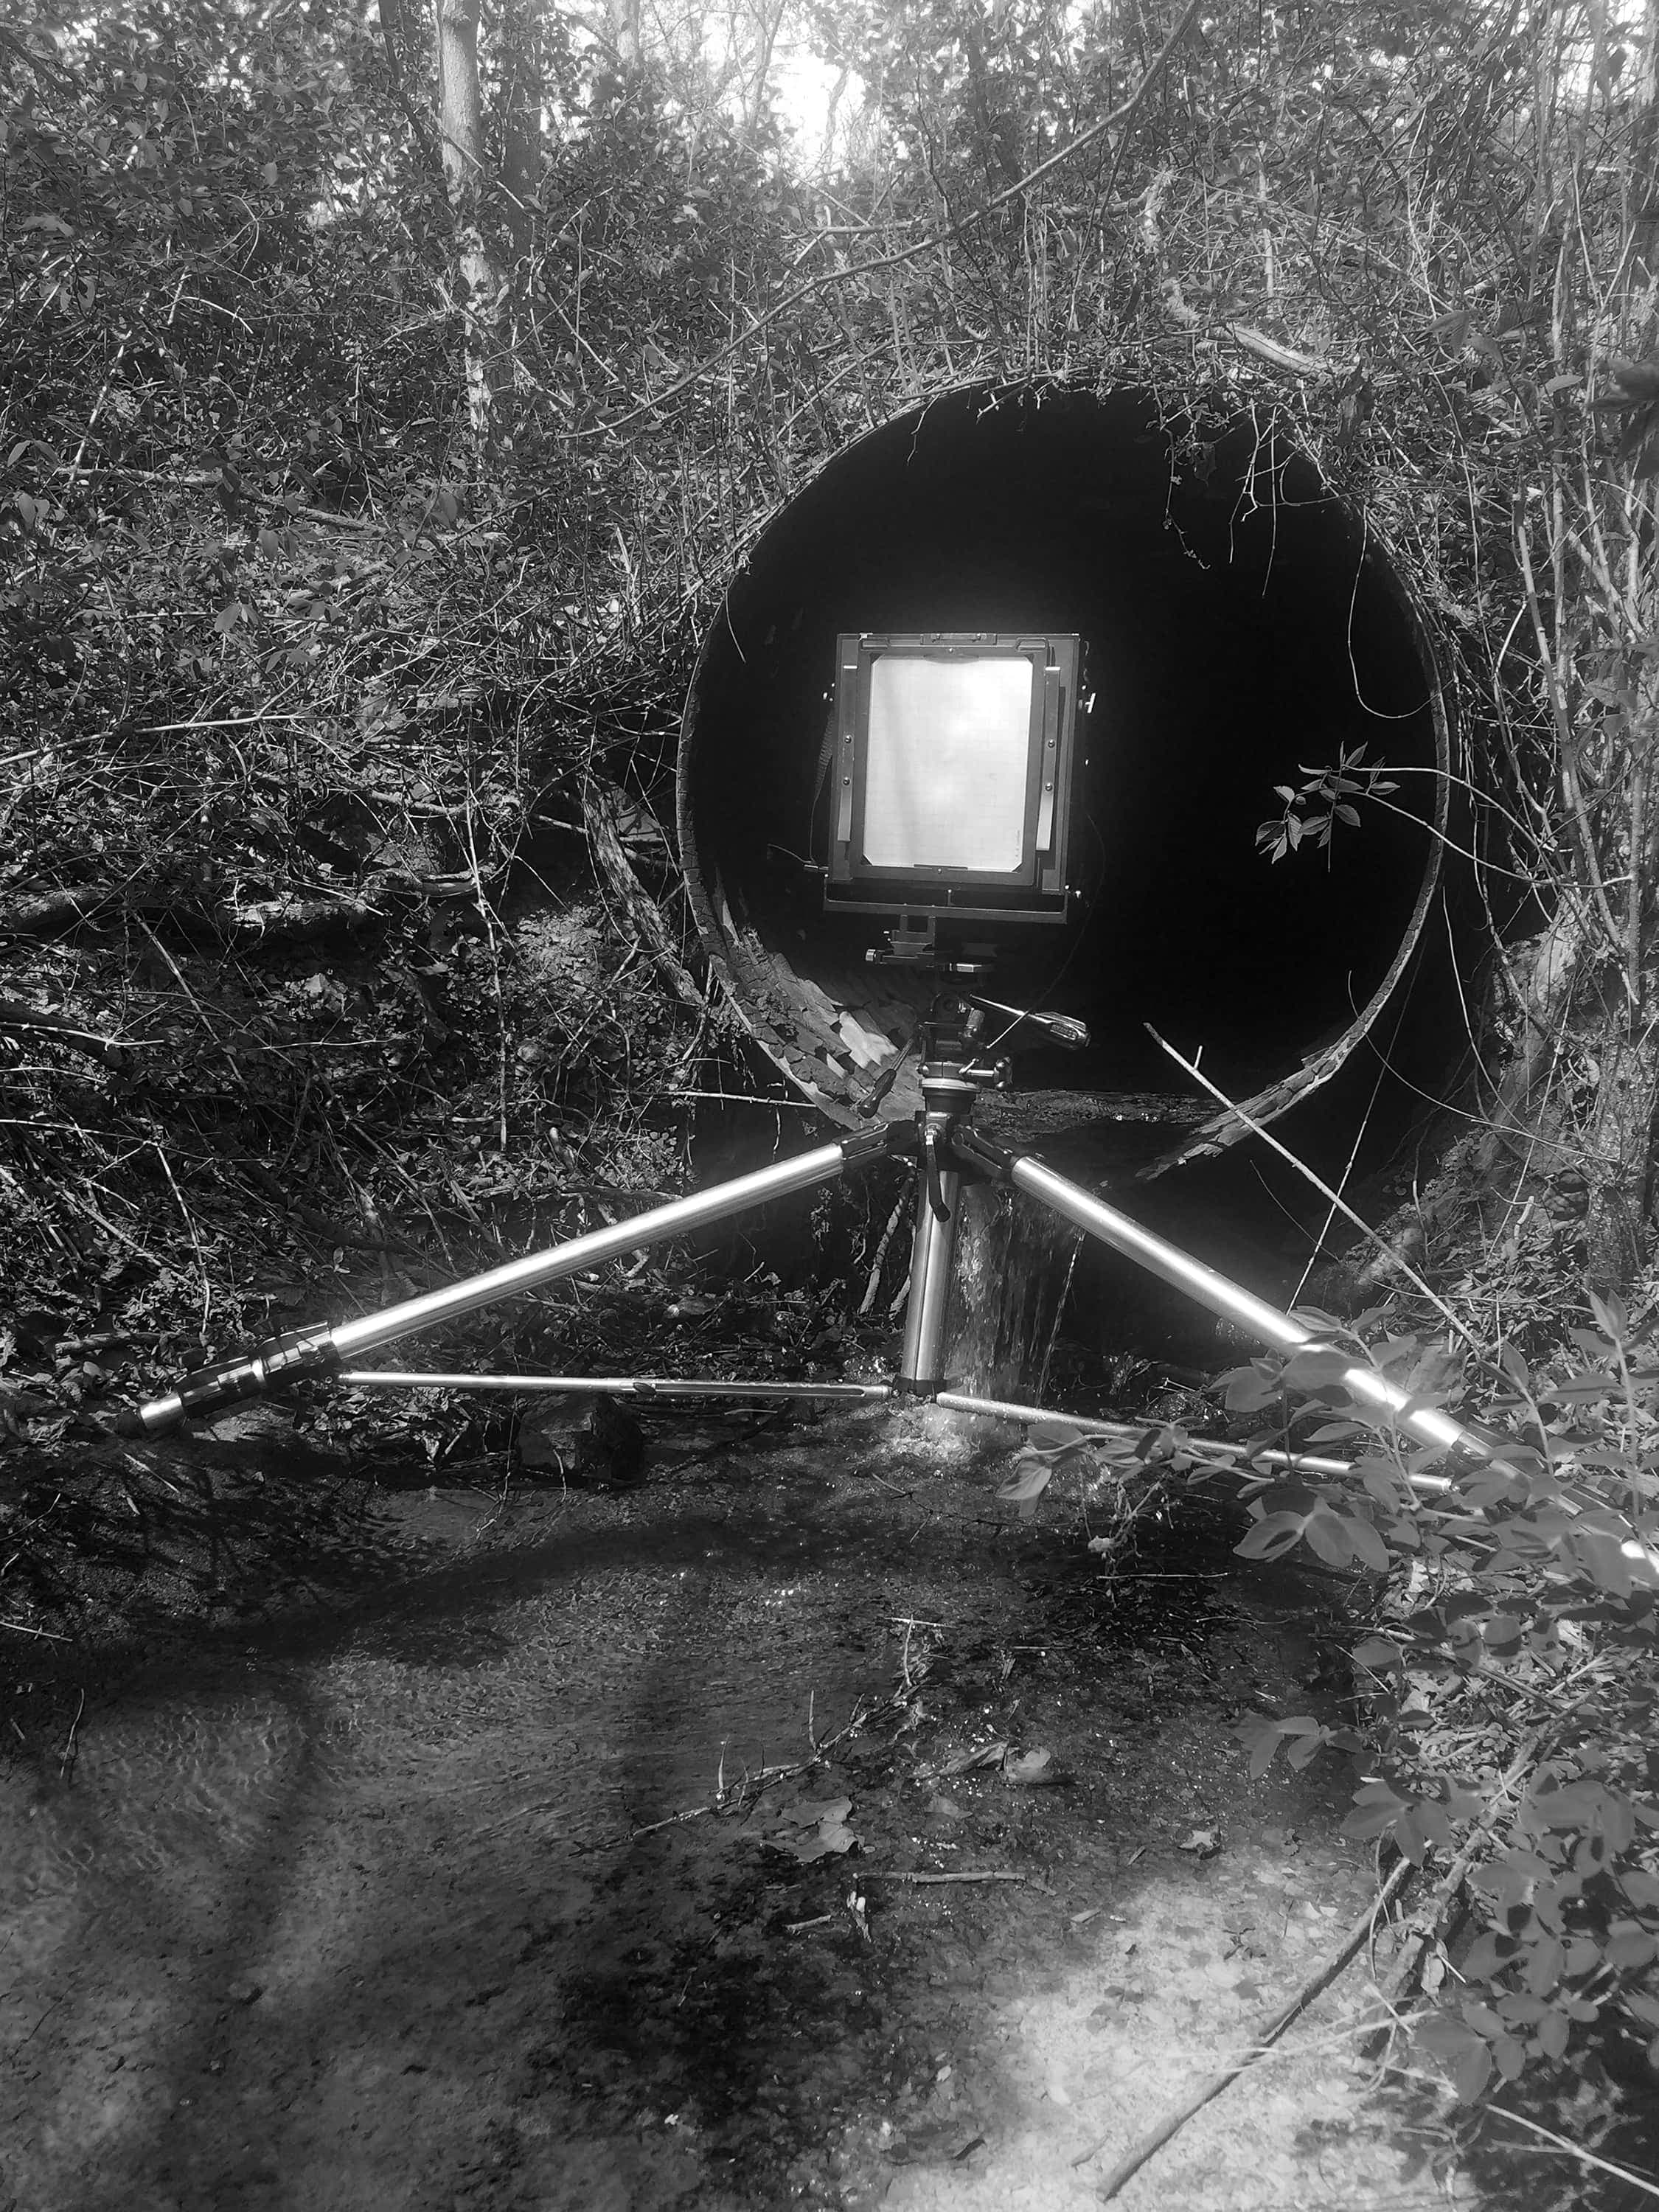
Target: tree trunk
[521, 125]
[481, 293]
[623, 19]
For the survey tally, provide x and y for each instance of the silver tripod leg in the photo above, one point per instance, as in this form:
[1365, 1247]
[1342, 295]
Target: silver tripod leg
[1267, 1324]
[932, 1264]
[321, 1349]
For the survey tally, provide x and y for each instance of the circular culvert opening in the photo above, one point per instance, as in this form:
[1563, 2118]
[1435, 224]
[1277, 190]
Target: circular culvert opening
[1240, 627]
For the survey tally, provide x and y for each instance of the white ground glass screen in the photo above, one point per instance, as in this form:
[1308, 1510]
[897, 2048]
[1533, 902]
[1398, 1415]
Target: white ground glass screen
[946, 762]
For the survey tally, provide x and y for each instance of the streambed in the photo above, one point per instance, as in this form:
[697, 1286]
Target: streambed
[357, 1899]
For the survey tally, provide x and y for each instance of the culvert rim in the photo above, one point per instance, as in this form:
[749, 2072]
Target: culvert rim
[769, 999]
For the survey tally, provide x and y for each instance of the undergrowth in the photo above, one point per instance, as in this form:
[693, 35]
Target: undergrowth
[313, 992]
[1504, 1672]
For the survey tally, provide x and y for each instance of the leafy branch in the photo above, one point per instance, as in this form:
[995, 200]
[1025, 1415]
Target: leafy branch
[1312, 811]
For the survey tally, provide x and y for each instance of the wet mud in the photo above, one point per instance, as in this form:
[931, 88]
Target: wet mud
[379, 1894]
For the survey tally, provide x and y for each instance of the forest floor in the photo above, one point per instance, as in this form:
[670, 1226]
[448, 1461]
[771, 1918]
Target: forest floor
[340, 1867]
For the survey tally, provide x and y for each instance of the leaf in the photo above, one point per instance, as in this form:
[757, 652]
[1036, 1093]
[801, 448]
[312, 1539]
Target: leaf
[1633, 1948]
[1033, 1474]
[1421, 1828]
[1458, 2048]
[1585, 1388]
[1369, 1547]
[963, 1762]
[1514, 1366]
[1472, 2071]
[1053, 1440]
[1602, 1556]
[1510, 2055]
[828, 1836]
[1327, 1534]
[1488, 1956]
[1552, 2031]
[1377, 1806]
[1251, 1389]
[1261, 1738]
[1272, 1536]
[1317, 1368]
[1573, 1807]
[1032, 1770]
[1202, 1843]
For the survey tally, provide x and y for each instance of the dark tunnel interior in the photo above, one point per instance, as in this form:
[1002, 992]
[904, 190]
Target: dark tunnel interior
[1237, 626]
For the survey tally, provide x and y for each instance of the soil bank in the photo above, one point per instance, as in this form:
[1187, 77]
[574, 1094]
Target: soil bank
[359, 1895]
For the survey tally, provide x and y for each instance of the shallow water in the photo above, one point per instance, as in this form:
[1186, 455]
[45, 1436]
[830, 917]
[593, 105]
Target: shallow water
[1013, 1271]
[355, 1910]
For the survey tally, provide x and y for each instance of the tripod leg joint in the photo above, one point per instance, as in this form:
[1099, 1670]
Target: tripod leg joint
[986, 1162]
[295, 1357]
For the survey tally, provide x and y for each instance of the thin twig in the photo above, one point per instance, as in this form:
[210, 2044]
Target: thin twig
[1352, 1944]
[1408, 1962]
[1576, 2151]
[1319, 1184]
[981, 1874]
[66, 1757]
[1120, 115]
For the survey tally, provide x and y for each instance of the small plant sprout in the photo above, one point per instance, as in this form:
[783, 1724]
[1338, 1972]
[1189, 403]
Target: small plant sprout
[1325, 798]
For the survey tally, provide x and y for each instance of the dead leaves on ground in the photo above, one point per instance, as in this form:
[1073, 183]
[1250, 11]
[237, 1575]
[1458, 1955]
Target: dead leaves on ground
[813, 1829]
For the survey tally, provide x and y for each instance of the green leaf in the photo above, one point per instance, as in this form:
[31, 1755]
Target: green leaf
[1514, 1366]
[1618, 1823]
[1272, 1536]
[1546, 1960]
[1421, 1828]
[1368, 1546]
[1031, 1477]
[1317, 1369]
[1375, 1807]
[1489, 1954]
[1553, 2032]
[1054, 1440]
[1249, 1390]
[1329, 1537]
[1261, 1738]
[1573, 1807]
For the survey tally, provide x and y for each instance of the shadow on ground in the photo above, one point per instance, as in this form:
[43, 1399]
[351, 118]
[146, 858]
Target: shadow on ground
[375, 1893]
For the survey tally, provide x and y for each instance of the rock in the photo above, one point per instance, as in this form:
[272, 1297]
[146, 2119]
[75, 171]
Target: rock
[589, 1438]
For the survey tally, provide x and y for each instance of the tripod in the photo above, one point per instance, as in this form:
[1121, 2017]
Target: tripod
[947, 1150]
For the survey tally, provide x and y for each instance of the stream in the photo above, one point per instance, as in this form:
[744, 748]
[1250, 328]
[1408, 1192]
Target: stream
[359, 1896]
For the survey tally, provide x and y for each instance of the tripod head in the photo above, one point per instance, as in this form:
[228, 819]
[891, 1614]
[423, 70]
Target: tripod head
[950, 1032]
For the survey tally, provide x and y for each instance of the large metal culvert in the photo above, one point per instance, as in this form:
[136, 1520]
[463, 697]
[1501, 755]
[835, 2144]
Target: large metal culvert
[1238, 622]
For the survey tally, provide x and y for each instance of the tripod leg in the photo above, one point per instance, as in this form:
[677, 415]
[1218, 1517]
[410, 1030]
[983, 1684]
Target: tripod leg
[1218, 1293]
[320, 1349]
[933, 1262]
